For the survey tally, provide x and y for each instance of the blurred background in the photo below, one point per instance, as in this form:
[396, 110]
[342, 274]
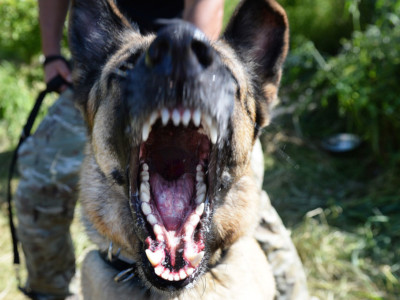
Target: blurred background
[342, 75]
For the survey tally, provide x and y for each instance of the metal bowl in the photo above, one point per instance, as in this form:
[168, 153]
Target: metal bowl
[340, 143]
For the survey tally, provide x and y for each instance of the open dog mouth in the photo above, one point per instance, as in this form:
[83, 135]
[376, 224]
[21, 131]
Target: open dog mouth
[172, 188]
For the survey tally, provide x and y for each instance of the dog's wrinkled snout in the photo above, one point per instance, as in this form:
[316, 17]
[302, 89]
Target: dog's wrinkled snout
[181, 51]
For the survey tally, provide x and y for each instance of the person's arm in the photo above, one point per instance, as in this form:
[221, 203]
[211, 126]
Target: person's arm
[206, 15]
[52, 15]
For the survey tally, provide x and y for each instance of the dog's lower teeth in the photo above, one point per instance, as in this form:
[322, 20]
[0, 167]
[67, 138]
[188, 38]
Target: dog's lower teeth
[158, 270]
[194, 220]
[200, 199]
[176, 277]
[144, 176]
[157, 229]
[152, 219]
[201, 189]
[145, 167]
[190, 271]
[196, 117]
[200, 209]
[165, 275]
[146, 209]
[182, 274]
[199, 176]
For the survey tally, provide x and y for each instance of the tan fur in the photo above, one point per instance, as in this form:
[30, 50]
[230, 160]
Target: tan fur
[237, 268]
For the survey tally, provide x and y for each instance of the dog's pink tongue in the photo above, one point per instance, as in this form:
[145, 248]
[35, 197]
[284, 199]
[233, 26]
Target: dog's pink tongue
[172, 198]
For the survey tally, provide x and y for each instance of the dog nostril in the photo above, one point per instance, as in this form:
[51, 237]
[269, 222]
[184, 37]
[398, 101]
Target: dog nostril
[202, 52]
[157, 51]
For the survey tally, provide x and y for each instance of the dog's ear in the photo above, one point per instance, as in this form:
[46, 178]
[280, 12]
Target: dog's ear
[259, 33]
[95, 28]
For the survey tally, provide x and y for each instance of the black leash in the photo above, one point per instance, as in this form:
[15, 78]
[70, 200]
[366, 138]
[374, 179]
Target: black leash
[52, 86]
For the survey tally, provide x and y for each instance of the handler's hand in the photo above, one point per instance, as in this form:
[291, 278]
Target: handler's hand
[57, 67]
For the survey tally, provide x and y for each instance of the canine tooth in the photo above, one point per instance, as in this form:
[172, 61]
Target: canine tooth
[186, 117]
[176, 277]
[165, 274]
[145, 167]
[182, 274]
[189, 271]
[152, 219]
[176, 117]
[196, 117]
[146, 208]
[159, 270]
[213, 134]
[200, 209]
[164, 116]
[145, 131]
[199, 168]
[208, 121]
[153, 117]
[196, 259]
[154, 258]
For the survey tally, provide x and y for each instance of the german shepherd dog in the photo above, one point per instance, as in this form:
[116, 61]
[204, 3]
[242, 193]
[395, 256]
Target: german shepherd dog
[172, 120]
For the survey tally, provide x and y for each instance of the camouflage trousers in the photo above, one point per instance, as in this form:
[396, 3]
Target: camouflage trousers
[49, 162]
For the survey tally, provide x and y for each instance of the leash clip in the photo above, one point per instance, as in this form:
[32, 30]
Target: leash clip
[110, 255]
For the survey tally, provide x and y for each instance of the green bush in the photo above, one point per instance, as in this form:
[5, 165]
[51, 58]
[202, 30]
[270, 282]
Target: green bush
[19, 34]
[356, 90]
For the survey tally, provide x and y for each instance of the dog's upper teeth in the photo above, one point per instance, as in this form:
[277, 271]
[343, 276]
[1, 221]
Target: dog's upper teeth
[196, 117]
[186, 117]
[176, 117]
[153, 117]
[164, 116]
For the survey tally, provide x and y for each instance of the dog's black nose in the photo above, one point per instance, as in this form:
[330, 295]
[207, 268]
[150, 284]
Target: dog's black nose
[180, 50]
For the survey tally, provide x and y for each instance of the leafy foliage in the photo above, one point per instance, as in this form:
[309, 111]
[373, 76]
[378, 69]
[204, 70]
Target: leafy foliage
[19, 34]
[361, 81]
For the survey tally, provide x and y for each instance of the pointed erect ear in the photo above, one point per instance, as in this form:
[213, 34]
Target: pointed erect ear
[259, 33]
[95, 28]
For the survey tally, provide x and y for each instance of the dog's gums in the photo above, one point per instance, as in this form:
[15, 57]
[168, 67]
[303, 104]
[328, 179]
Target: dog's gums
[172, 191]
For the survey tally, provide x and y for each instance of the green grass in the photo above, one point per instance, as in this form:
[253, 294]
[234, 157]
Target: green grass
[344, 211]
